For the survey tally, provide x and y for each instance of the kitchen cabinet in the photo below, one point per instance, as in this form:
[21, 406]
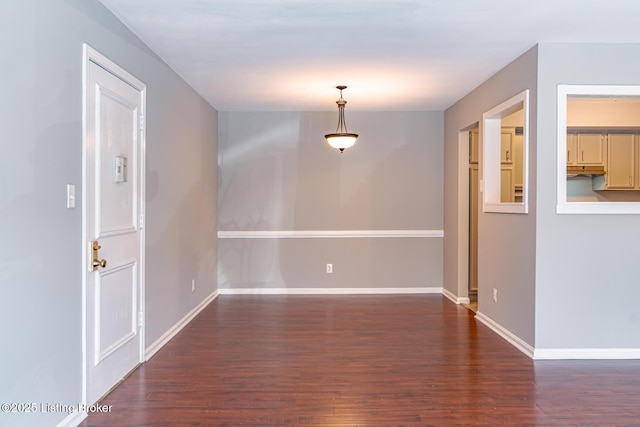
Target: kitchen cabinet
[511, 159]
[518, 165]
[585, 148]
[621, 163]
[506, 145]
[507, 188]
[571, 148]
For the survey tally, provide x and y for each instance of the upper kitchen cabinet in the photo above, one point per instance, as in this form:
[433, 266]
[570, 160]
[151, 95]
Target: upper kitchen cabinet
[511, 160]
[588, 149]
[506, 145]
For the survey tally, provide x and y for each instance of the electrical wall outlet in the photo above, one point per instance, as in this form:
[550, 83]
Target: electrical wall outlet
[193, 285]
[495, 295]
[329, 268]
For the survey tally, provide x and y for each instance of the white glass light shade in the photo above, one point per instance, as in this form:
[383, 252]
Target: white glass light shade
[341, 141]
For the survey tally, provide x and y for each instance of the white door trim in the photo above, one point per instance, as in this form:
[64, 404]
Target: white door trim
[462, 224]
[90, 55]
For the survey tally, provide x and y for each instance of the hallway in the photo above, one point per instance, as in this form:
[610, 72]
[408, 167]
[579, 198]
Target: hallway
[410, 360]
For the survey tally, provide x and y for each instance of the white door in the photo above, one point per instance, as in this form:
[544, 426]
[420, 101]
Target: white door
[113, 207]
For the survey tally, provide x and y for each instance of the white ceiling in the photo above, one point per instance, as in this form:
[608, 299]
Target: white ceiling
[402, 55]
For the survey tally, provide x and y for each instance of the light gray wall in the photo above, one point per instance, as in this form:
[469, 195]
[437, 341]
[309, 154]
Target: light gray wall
[278, 173]
[587, 265]
[40, 240]
[506, 242]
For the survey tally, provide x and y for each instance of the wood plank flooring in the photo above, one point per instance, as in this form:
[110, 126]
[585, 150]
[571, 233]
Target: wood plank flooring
[384, 360]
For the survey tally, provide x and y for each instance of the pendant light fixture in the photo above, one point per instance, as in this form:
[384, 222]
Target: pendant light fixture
[341, 139]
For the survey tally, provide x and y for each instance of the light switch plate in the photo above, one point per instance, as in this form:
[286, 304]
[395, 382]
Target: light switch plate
[71, 196]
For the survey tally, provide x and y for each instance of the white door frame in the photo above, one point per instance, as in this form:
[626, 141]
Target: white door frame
[91, 55]
[463, 214]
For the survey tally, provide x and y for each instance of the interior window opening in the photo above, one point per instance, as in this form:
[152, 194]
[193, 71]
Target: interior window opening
[505, 156]
[598, 149]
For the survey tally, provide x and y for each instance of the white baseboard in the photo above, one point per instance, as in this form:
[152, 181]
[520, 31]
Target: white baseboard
[453, 298]
[166, 337]
[506, 334]
[586, 353]
[559, 353]
[72, 420]
[328, 291]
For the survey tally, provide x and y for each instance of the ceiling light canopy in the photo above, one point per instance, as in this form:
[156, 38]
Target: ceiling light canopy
[341, 138]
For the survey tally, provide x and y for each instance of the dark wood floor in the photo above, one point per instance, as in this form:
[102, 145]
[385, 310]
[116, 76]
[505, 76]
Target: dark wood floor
[361, 361]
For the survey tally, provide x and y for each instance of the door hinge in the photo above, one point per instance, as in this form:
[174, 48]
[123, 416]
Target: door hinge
[141, 220]
[141, 122]
[140, 319]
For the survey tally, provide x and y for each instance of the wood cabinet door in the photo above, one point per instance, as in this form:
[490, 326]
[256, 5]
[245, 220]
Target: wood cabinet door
[620, 161]
[506, 146]
[518, 160]
[507, 193]
[572, 157]
[589, 149]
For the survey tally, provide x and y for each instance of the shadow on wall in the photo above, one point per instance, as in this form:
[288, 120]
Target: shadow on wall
[181, 239]
[278, 173]
[387, 180]
[255, 180]
[371, 186]
[185, 247]
[255, 176]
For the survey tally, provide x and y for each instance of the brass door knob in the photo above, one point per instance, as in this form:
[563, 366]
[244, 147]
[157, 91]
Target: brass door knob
[99, 263]
[95, 259]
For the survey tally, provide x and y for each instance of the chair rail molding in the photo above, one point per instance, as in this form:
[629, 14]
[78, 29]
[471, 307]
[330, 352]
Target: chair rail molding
[326, 234]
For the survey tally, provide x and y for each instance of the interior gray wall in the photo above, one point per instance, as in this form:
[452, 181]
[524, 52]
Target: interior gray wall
[40, 243]
[278, 173]
[506, 242]
[587, 265]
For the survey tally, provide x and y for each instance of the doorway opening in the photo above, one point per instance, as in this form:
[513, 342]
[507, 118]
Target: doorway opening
[468, 174]
[474, 198]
